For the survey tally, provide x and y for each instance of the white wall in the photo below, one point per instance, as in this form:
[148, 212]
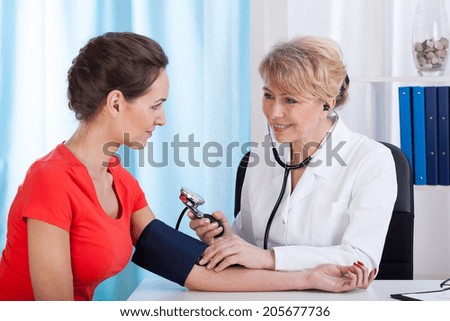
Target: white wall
[375, 37]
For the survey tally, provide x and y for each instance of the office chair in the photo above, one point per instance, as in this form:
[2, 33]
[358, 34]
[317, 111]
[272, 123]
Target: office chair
[397, 258]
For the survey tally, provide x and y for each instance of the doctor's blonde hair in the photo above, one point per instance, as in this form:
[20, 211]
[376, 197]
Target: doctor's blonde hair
[309, 67]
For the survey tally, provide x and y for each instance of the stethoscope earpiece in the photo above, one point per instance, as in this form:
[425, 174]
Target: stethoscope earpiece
[326, 107]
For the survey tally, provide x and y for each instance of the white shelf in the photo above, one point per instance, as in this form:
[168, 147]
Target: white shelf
[431, 188]
[440, 79]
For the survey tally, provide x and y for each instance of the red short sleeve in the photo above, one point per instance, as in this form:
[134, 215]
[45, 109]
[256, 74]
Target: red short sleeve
[140, 201]
[45, 196]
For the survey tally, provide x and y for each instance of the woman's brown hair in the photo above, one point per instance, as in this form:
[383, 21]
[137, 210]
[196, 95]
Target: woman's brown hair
[122, 61]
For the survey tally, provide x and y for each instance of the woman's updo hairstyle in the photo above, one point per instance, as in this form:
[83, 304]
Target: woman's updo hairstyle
[122, 61]
[309, 67]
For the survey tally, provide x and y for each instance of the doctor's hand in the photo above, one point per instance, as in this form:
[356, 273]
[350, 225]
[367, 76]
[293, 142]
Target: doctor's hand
[337, 278]
[206, 230]
[230, 250]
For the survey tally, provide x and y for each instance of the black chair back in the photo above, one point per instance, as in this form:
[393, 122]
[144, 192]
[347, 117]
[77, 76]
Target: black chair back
[397, 258]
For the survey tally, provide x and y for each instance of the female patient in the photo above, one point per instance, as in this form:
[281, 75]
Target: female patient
[78, 212]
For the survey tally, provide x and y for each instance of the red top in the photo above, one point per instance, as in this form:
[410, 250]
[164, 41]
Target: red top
[58, 190]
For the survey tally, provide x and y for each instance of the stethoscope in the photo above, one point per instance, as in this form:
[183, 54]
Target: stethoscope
[288, 168]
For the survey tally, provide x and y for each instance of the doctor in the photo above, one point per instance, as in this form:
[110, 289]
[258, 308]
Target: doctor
[330, 199]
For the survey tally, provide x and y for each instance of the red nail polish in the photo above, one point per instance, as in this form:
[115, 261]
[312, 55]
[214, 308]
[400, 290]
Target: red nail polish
[375, 271]
[361, 263]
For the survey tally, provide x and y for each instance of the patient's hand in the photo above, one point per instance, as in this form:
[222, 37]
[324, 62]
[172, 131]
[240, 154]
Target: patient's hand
[337, 278]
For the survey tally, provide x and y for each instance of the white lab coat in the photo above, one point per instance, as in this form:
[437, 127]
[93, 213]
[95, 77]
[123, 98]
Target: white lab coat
[338, 213]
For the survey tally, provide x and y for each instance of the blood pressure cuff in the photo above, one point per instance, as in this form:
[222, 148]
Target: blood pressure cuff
[167, 252]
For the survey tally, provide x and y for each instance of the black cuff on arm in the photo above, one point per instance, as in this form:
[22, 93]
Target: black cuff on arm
[167, 252]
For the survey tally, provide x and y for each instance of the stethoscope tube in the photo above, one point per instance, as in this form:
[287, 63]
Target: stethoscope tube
[287, 169]
[275, 208]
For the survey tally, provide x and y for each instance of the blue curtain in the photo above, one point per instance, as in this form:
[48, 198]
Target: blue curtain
[208, 110]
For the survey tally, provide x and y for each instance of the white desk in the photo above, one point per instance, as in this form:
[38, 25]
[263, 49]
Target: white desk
[380, 290]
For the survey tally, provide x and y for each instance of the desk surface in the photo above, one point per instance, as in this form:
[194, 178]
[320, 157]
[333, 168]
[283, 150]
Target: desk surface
[380, 290]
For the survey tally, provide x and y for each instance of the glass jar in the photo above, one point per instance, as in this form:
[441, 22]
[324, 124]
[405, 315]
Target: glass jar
[430, 39]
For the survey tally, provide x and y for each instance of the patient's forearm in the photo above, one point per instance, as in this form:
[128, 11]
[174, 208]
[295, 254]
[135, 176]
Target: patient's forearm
[239, 279]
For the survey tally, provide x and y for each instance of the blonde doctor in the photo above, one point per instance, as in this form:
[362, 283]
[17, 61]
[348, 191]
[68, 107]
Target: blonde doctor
[330, 198]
